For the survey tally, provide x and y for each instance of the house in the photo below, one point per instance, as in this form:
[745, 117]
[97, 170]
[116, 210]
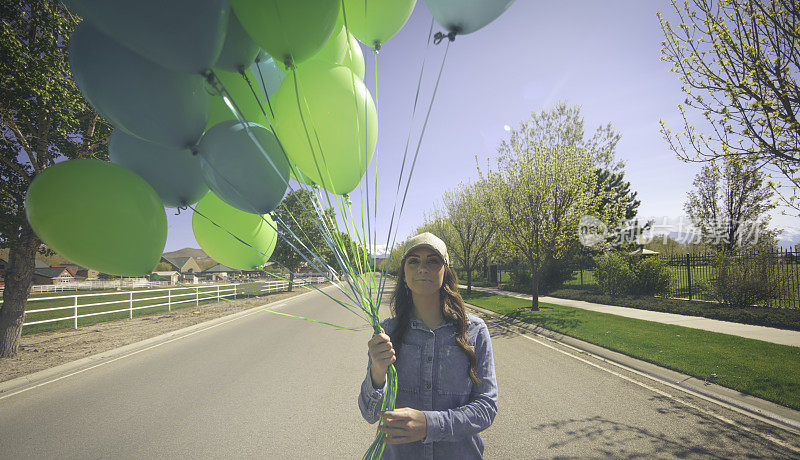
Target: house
[52, 275]
[220, 272]
[172, 276]
[182, 264]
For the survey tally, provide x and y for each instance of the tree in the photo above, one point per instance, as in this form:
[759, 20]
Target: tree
[738, 61]
[541, 186]
[466, 227]
[297, 217]
[731, 207]
[614, 190]
[44, 118]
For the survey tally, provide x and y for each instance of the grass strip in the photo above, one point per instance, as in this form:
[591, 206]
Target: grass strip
[762, 369]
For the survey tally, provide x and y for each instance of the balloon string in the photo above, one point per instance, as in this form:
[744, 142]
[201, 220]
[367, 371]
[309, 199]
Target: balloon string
[451, 36]
[266, 93]
[247, 80]
[389, 237]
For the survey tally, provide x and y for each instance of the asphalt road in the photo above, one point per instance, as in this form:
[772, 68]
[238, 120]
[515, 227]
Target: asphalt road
[268, 386]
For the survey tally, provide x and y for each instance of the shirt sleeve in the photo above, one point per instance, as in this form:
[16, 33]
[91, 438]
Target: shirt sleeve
[369, 399]
[478, 414]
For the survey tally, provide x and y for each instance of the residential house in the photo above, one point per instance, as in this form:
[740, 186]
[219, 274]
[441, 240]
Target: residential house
[186, 266]
[52, 275]
[220, 272]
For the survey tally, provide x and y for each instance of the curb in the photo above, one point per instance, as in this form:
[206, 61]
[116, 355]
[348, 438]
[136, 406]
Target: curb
[784, 417]
[36, 379]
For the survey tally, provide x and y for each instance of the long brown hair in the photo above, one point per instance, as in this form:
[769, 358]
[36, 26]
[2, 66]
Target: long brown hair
[452, 308]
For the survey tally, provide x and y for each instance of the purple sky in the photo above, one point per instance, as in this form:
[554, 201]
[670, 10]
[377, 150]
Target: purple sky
[603, 56]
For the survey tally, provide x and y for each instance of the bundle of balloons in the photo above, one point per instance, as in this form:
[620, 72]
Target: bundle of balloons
[222, 106]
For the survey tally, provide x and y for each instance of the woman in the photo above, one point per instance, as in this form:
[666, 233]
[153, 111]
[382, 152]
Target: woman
[446, 384]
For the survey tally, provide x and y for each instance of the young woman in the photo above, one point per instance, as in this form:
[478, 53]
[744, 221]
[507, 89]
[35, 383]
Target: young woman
[446, 384]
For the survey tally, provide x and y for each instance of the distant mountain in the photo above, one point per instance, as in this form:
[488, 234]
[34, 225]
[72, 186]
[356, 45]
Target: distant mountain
[198, 254]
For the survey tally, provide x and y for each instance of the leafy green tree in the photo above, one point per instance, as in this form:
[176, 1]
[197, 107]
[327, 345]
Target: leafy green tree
[44, 119]
[738, 61]
[541, 186]
[296, 217]
[731, 205]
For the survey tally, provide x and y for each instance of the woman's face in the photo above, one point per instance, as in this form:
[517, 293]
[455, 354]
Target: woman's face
[424, 271]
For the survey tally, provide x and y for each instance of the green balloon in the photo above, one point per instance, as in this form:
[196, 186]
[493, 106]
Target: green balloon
[376, 21]
[289, 30]
[334, 49]
[221, 246]
[116, 226]
[354, 58]
[242, 96]
[343, 138]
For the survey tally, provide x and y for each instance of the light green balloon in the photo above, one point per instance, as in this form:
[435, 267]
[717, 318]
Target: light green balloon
[241, 94]
[221, 246]
[343, 138]
[116, 226]
[376, 21]
[354, 58]
[289, 30]
[334, 49]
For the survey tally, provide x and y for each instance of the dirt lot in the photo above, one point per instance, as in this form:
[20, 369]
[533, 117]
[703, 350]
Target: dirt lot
[47, 349]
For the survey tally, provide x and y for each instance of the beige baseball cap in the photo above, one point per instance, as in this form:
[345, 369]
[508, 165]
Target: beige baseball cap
[430, 240]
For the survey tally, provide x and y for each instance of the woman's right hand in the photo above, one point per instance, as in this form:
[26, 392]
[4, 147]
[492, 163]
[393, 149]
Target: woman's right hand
[381, 352]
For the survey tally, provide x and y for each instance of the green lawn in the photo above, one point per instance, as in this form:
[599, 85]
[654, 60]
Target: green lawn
[114, 300]
[766, 370]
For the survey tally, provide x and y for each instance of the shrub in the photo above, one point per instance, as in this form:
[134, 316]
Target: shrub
[613, 273]
[521, 278]
[650, 276]
[745, 280]
[554, 273]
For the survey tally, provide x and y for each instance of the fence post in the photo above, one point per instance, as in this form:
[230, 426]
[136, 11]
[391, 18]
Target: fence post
[169, 299]
[581, 277]
[76, 312]
[196, 296]
[130, 305]
[235, 290]
[218, 293]
[689, 275]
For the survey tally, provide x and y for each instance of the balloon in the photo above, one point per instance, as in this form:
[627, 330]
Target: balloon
[335, 118]
[466, 16]
[226, 249]
[99, 215]
[182, 35]
[174, 174]
[333, 50]
[134, 94]
[291, 31]
[354, 59]
[268, 74]
[237, 171]
[242, 96]
[239, 51]
[376, 21]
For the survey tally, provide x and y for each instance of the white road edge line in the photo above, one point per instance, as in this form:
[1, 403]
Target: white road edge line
[662, 393]
[255, 311]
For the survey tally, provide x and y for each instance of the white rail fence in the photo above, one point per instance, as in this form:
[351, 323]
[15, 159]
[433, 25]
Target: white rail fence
[142, 299]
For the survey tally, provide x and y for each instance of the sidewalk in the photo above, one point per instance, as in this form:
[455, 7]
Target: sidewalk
[763, 333]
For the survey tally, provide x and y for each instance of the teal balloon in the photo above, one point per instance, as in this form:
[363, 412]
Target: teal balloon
[268, 74]
[238, 172]
[182, 35]
[136, 95]
[99, 215]
[466, 16]
[239, 51]
[174, 174]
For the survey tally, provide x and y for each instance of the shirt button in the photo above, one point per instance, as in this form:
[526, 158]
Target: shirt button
[428, 386]
[430, 358]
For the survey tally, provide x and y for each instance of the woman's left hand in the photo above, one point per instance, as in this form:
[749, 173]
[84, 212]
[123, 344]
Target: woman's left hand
[403, 425]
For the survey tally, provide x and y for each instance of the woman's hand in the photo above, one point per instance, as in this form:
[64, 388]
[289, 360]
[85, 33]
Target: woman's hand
[403, 425]
[382, 355]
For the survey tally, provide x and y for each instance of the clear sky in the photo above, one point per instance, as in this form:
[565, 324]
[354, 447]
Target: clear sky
[603, 56]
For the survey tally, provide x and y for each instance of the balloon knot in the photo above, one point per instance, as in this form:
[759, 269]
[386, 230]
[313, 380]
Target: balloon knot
[376, 47]
[288, 61]
[179, 209]
[195, 151]
[347, 199]
[439, 36]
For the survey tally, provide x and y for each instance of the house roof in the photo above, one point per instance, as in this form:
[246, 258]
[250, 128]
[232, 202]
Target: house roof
[51, 272]
[644, 252]
[219, 268]
[40, 264]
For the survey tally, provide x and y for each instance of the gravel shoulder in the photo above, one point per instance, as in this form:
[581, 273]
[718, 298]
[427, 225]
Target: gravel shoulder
[49, 349]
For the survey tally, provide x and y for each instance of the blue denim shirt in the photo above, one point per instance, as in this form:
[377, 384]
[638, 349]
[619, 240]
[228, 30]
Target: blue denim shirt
[432, 376]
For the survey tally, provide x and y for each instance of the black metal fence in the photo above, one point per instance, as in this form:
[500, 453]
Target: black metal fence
[692, 275]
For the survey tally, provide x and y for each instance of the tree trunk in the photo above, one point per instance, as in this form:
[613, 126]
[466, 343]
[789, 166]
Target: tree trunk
[535, 289]
[291, 280]
[469, 282]
[18, 279]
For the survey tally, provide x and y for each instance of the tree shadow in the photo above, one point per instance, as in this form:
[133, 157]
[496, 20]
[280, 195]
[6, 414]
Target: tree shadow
[599, 437]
